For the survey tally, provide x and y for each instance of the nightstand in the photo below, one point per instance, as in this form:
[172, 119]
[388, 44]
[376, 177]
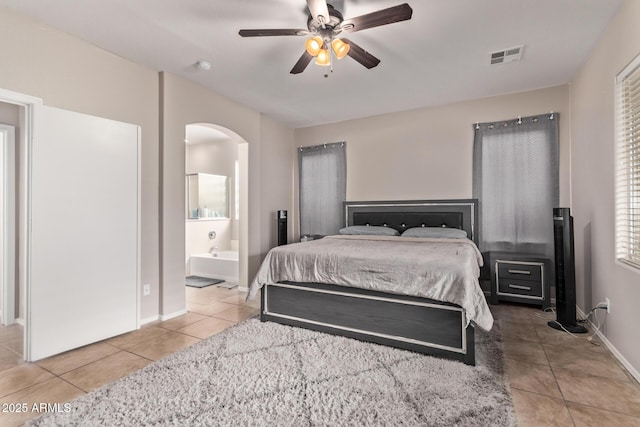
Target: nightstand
[520, 277]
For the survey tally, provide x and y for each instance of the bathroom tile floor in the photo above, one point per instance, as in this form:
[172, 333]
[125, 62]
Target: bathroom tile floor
[556, 379]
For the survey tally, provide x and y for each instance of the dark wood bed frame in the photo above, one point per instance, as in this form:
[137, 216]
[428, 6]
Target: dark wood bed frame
[411, 323]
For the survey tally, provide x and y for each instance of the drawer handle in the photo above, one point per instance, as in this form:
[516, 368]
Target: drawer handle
[523, 288]
[528, 273]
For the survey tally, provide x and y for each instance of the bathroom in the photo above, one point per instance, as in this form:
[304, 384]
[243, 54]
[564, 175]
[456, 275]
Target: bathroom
[212, 203]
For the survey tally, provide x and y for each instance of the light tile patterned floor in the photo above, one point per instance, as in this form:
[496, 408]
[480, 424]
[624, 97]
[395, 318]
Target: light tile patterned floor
[556, 379]
[61, 378]
[563, 380]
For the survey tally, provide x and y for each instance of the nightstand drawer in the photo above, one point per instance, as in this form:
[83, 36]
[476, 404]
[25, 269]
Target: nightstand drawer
[520, 277]
[518, 270]
[523, 288]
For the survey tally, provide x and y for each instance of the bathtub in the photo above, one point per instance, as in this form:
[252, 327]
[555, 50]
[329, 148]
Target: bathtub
[223, 266]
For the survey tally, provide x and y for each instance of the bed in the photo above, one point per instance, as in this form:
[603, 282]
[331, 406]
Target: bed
[414, 293]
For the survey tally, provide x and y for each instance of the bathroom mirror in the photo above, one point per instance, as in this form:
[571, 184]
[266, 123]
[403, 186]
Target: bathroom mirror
[207, 196]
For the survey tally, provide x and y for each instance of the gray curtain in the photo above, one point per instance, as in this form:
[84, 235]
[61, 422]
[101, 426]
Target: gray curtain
[516, 181]
[323, 187]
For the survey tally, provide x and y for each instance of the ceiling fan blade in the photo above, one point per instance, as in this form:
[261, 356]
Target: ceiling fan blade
[390, 15]
[319, 10]
[361, 55]
[273, 32]
[302, 63]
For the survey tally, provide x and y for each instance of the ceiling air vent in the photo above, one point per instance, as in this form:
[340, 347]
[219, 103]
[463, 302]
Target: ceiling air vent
[507, 55]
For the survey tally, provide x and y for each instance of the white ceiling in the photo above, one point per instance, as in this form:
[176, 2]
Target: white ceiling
[438, 57]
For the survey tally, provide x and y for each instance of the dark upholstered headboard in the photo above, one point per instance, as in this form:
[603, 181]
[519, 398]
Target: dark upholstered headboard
[405, 214]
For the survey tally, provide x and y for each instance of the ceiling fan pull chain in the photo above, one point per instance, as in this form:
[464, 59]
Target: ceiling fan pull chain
[330, 65]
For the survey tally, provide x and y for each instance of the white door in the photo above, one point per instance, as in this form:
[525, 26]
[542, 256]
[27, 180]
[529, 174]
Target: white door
[7, 222]
[83, 272]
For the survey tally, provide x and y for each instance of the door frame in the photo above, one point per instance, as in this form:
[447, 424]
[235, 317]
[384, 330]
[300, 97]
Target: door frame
[8, 224]
[28, 103]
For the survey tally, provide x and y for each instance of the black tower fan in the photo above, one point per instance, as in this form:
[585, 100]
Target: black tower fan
[565, 273]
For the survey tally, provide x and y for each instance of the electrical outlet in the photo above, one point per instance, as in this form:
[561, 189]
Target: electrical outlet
[146, 290]
[608, 303]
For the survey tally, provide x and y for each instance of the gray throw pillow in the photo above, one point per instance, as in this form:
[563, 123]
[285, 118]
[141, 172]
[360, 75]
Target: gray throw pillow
[437, 232]
[369, 230]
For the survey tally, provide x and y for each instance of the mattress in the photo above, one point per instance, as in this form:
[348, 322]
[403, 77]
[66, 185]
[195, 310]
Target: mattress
[440, 269]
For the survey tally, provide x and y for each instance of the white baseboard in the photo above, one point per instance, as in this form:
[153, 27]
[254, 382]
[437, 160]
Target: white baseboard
[18, 320]
[164, 317]
[148, 320]
[243, 289]
[632, 370]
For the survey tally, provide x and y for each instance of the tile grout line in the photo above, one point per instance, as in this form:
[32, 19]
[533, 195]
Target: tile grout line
[81, 366]
[73, 385]
[40, 382]
[603, 409]
[564, 400]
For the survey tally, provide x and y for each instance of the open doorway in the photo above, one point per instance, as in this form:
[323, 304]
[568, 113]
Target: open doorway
[8, 190]
[215, 166]
[13, 231]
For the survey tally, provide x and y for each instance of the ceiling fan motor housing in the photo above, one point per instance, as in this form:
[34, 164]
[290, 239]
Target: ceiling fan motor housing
[322, 28]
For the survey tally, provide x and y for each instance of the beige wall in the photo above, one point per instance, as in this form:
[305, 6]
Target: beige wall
[71, 74]
[9, 114]
[276, 172]
[213, 157]
[593, 174]
[427, 153]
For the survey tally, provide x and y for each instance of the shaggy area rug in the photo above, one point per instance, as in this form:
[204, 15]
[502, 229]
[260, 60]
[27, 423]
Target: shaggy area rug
[266, 374]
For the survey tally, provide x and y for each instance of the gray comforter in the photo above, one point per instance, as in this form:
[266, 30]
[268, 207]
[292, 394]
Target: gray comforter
[440, 269]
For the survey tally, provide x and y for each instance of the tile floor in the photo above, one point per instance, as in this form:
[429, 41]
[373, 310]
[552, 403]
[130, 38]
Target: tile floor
[63, 377]
[556, 379]
[563, 380]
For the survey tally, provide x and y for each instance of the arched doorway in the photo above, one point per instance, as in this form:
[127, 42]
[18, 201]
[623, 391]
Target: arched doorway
[215, 206]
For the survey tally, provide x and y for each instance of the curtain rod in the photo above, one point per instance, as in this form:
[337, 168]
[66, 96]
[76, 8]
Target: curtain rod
[324, 145]
[552, 115]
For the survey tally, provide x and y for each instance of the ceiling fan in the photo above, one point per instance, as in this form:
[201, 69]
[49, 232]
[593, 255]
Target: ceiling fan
[325, 24]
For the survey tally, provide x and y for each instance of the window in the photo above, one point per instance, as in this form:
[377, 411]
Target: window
[515, 179]
[627, 191]
[322, 170]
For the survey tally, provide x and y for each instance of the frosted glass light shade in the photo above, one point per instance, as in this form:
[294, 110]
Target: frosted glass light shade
[314, 45]
[340, 48]
[323, 57]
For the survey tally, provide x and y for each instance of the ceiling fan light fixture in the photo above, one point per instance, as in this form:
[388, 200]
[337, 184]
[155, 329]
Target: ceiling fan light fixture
[340, 48]
[323, 58]
[325, 24]
[314, 45]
